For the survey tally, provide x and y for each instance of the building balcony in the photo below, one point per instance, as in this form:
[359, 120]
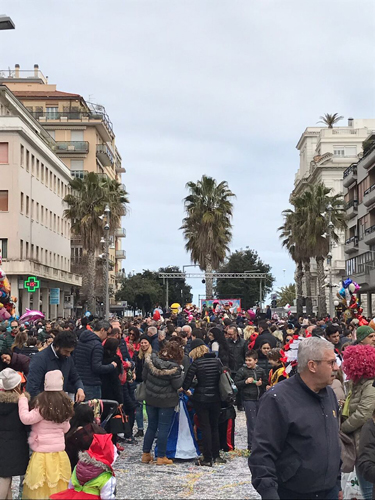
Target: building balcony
[41, 271]
[368, 160]
[120, 275]
[68, 147]
[120, 254]
[104, 154]
[351, 245]
[120, 169]
[352, 208]
[350, 175]
[369, 236]
[369, 196]
[120, 232]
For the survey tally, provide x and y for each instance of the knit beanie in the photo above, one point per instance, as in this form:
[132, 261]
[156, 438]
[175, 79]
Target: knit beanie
[9, 379]
[196, 343]
[145, 337]
[54, 381]
[363, 332]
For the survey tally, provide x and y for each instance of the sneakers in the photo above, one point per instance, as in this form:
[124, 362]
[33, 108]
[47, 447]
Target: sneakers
[139, 433]
[219, 461]
[119, 447]
[147, 458]
[130, 440]
[163, 461]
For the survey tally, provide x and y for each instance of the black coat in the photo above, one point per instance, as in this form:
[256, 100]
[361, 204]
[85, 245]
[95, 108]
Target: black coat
[88, 358]
[238, 350]
[138, 366]
[19, 363]
[265, 337]
[14, 450]
[207, 370]
[163, 378]
[46, 361]
[111, 385]
[264, 364]
[366, 454]
[250, 392]
[296, 441]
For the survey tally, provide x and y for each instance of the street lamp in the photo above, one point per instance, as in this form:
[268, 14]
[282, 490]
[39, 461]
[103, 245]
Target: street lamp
[105, 241]
[6, 23]
[329, 258]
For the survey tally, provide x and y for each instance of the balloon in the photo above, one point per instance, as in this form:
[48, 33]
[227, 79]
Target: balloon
[251, 314]
[357, 287]
[156, 316]
[31, 316]
[351, 288]
[87, 314]
[342, 293]
[4, 314]
[346, 283]
[287, 307]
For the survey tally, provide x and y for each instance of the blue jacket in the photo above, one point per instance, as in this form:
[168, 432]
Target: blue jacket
[88, 357]
[296, 441]
[154, 341]
[46, 361]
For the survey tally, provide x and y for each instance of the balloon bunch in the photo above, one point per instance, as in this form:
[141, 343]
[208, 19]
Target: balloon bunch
[7, 302]
[348, 296]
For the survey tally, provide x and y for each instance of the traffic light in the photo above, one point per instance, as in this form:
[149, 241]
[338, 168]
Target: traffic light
[274, 304]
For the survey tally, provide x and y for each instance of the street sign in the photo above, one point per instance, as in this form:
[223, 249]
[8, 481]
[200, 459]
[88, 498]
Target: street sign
[273, 296]
[54, 296]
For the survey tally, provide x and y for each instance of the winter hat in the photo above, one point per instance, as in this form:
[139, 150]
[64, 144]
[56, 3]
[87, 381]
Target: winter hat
[145, 337]
[102, 449]
[215, 331]
[9, 379]
[196, 343]
[363, 332]
[54, 381]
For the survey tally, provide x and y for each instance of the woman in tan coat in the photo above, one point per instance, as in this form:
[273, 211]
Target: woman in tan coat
[359, 367]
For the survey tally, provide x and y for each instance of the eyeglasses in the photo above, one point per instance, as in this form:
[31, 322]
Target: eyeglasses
[332, 362]
[14, 327]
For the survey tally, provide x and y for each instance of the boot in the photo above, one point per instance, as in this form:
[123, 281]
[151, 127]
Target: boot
[147, 458]
[139, 433]
[163, 461]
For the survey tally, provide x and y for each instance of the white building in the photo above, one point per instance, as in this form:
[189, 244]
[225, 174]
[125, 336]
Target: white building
[34, 236]
[325, 153]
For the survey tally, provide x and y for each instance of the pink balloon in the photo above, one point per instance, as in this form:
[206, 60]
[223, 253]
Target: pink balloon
[4, 315]
[31, 316]
[251, 313]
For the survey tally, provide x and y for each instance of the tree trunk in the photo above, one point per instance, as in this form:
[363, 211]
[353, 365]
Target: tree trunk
[322, 303]
[209, 280]
[309, 307]
[91, 274]
[299, 289]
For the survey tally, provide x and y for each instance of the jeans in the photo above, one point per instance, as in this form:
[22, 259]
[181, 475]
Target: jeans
[139, 409]
[366, 487]
[159, 420]
[93, 392]
[208, 417]
[251, 411]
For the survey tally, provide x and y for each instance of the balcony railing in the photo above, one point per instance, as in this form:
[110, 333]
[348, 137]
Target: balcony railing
[120, 232]
[369, 190]
[351, 169]
[104, 154]
[120, 254]
[352, 203]
[352, 239]
[72, 147]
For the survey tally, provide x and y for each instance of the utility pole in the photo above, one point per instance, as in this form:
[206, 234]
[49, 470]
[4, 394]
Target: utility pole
[105, 240]
[260, 294]
[329, 258]
[167, 294]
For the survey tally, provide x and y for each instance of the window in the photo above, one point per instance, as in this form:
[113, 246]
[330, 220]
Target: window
[32, 251]
[51, 133]
[54, 183]
[27, 206]
[37, 253]
[42, 172]
[345, 151]
[3, 201]
[27, 249]
[4, 248]
[27, 160]
[362, 226]
[50, 220]
[37, 212]
[41, 214]
[58, 187]
[37, 169]
[54, 222]
[50, 179]
[362, 186]
[76, 135]
[22, 203]
[32, 209]
[32, 164]
[50, 259]
[22, 159]
[46, 257]
[21, 249]
[52, 112]
[76, 167]
[3, 152]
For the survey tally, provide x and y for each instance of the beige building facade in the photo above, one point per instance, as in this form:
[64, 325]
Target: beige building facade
[34, 236]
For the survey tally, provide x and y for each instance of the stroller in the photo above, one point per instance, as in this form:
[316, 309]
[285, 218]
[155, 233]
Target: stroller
[107, 413]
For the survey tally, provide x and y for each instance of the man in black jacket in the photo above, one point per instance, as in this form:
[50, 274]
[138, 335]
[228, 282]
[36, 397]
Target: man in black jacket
[264, 336]
[88, 358]
[56, 356]
[296, 448]
[237, 348]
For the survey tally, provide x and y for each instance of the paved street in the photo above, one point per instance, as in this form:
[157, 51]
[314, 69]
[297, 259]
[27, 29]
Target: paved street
[184, 479]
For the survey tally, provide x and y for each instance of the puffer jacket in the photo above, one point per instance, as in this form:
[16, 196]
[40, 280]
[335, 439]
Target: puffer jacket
[250, 392]
[45, 436]
[207, 370]
[14, 450]
[88, 358]
[361, 406]
[163, 379]
[238, 350]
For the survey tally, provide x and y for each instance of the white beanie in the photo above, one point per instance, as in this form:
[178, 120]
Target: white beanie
[10, 379]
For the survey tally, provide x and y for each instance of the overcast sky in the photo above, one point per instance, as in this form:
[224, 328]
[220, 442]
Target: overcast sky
[222, 88]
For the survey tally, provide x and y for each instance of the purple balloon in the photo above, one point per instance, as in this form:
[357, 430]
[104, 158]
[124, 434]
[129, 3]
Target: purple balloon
[31, 316]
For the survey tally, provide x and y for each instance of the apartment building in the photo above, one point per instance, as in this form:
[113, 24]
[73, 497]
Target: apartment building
[85, 142]
[325, 153]
[359, 186]
[34, 236]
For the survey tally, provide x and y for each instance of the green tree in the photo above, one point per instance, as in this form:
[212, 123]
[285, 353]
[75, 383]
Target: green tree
[286, 295]
[248, 290]
[178, 290]
[207, 225]
[86, 203]
[330, 120]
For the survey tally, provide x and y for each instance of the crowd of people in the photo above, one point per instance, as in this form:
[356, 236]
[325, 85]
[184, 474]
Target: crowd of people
[55, 376]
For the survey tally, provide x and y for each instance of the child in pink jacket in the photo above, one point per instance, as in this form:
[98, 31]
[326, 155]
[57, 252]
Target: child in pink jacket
[49, 469]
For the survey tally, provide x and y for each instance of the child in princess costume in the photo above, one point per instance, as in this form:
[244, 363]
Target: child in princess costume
[93, 477]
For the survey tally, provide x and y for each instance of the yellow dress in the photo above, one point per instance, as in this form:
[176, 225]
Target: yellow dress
[47, 473]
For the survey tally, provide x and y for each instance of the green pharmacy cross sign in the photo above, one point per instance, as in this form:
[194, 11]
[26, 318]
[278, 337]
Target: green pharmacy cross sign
[32, 284]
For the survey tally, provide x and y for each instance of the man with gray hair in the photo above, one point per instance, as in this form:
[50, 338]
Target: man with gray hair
[296, 449]
[152, 332]
[187, 329]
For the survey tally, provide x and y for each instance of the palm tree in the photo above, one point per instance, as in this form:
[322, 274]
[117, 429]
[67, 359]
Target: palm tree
[286, 295]
[314, 204]
[86, 203]
[207, 225]
[291, 240]
[330, 120]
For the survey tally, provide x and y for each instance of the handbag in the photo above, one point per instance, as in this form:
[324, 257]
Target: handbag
[119, 424]
[348, 452]
[227, 387]
[140, 392]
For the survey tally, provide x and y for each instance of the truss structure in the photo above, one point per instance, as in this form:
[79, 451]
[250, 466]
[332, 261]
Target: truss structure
[254, 275]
